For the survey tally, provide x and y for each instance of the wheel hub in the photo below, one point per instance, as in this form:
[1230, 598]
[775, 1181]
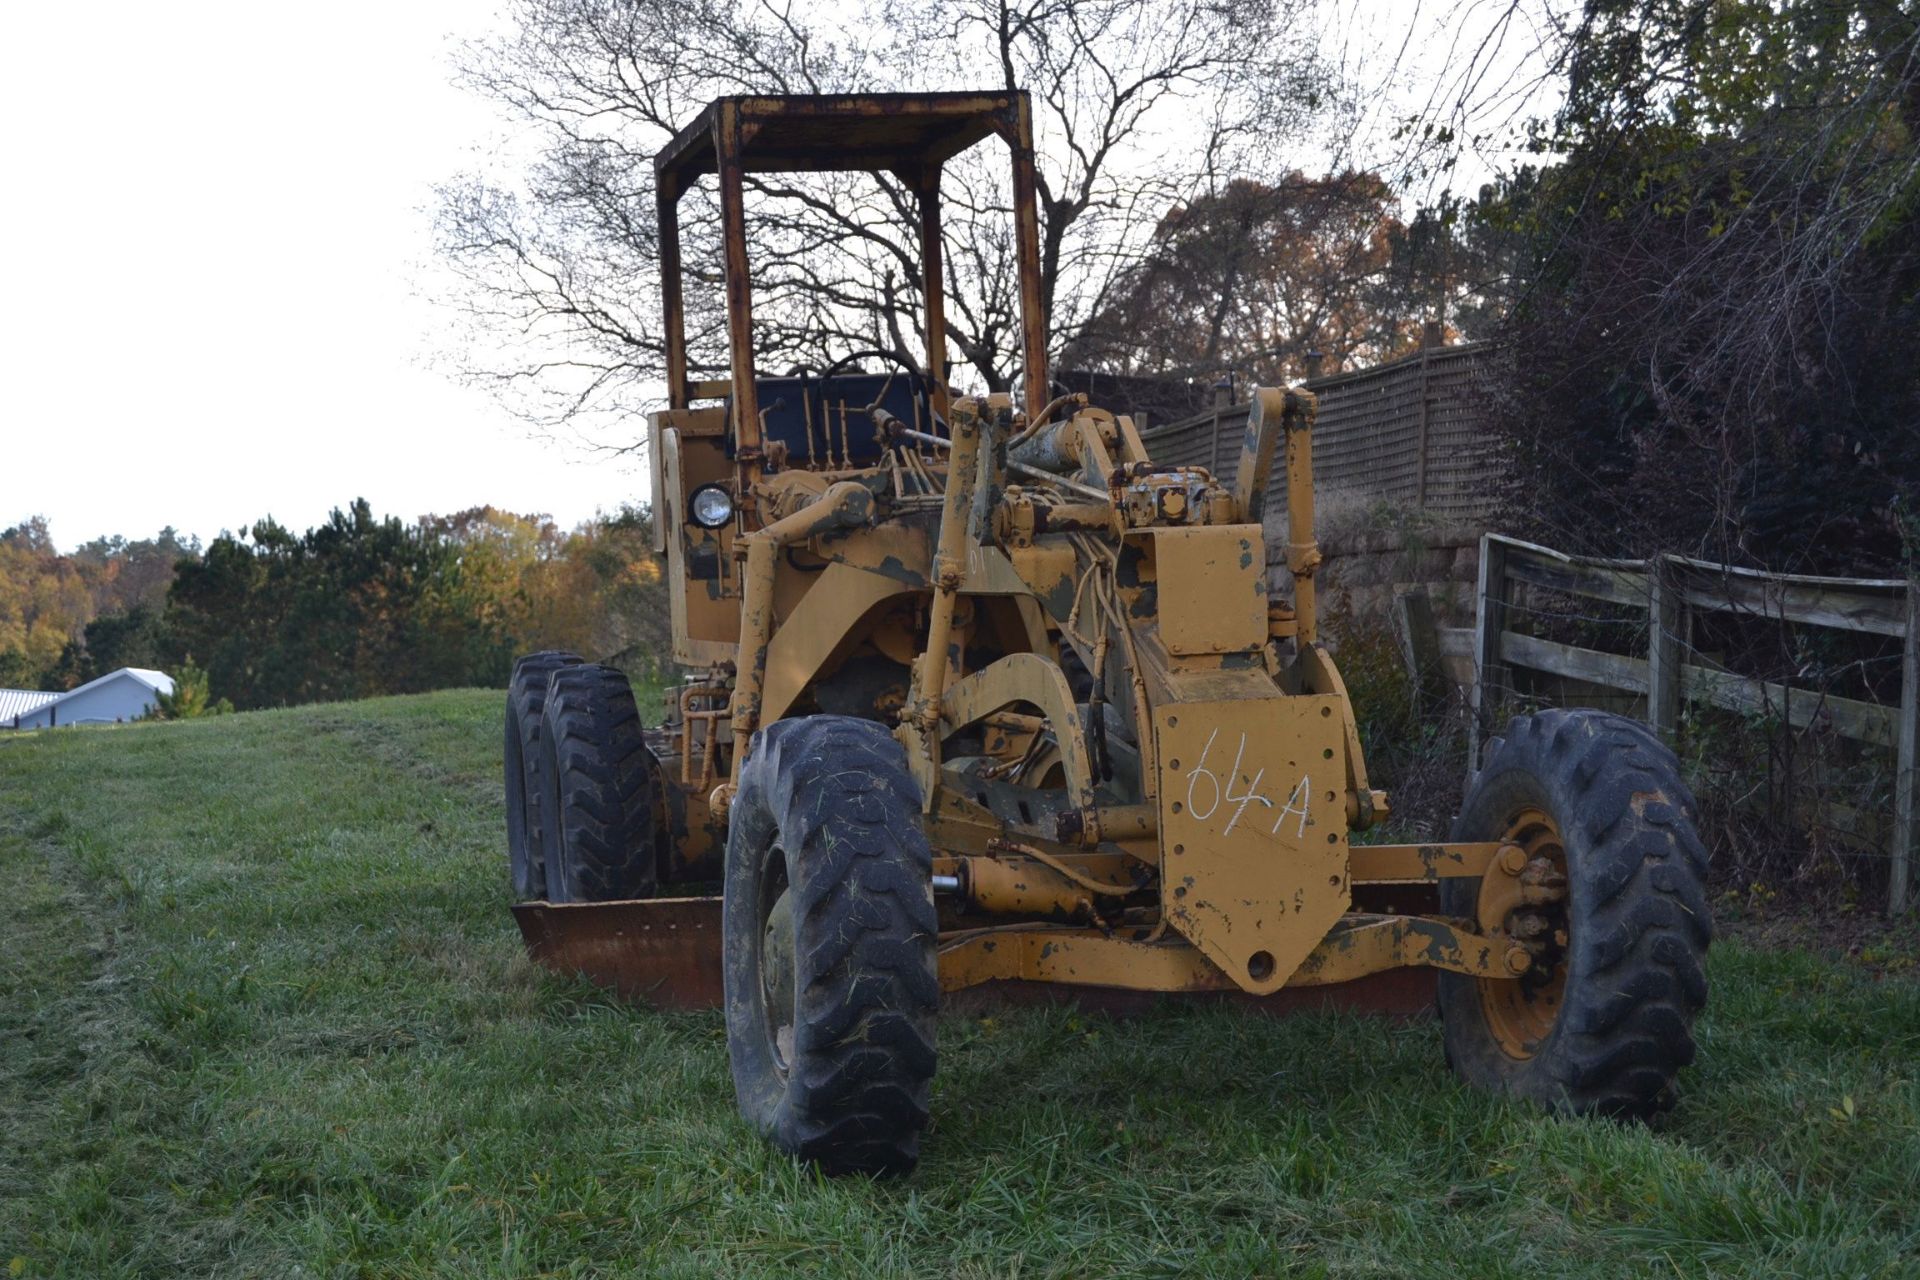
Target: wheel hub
[1521, 1011]
[777, 977]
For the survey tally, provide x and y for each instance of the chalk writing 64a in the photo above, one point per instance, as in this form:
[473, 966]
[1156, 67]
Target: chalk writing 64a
[1208, 792]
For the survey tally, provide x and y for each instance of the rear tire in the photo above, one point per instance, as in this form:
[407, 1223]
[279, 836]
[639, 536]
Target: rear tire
[1603, 1022]
[830, 929]
[526, 699]
[601, 811]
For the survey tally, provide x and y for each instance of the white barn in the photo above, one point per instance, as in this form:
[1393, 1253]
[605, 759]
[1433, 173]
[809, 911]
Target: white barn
[126, 694]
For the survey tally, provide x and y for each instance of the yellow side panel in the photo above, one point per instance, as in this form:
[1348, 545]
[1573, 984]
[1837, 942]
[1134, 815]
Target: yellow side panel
[1254, 829]
[663, 506]
[817, 630]
[705, 604]
[1212, 587]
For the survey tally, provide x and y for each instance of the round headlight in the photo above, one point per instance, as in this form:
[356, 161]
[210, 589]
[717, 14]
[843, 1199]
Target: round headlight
[710, 506]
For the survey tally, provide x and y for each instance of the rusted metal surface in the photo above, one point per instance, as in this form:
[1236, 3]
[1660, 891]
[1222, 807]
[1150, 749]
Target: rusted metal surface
[910, 135]
[881, 132]
[1026, 228]
[1424, 862]
[733, 230]
[673, 311]
[663, 952]
[934, 286]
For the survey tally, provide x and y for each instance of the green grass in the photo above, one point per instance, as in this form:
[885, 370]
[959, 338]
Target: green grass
[263, 1013]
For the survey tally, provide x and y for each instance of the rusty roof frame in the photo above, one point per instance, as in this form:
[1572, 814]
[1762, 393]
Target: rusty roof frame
[826, 133]
[911, 135]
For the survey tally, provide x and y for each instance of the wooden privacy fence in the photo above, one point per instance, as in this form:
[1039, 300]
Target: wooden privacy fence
[1408, 433]
[1672, 589]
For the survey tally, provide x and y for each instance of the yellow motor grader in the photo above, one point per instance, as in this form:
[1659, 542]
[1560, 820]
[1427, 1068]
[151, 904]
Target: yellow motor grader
[987, 696]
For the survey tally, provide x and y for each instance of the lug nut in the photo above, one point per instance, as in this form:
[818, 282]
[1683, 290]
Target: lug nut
[1513, 859]
[1518, 961]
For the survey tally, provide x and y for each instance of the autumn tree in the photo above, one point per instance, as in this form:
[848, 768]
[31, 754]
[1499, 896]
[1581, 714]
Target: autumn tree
[1253, 278]
[630, 614]
[1134, 101]
[45, 603]
[364, 605]
[125, 574]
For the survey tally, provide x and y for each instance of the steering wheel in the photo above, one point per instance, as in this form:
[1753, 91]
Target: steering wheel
[893, 358]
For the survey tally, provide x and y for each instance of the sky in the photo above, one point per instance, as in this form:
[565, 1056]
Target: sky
[217, 220]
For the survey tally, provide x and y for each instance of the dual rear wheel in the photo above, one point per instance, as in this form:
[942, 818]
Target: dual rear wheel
[585, 806]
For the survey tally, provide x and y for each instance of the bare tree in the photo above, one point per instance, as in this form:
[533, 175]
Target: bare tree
[1135, 100]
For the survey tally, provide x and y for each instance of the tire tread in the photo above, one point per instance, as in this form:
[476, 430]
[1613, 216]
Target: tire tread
[1639, 914]
[606, 786]
[855, 1099]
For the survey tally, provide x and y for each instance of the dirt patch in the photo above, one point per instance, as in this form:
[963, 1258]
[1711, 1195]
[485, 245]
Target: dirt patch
[1856, 936]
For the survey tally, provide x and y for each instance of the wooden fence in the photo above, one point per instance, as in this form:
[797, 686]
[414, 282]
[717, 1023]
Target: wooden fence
[1672, 590]
[1408, 433]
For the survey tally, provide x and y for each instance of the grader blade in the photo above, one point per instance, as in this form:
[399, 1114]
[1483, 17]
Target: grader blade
[1397, 994]
[663, 952]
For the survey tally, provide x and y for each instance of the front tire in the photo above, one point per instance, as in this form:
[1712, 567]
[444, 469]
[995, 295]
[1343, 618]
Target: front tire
[830, 929]
[1602, 1021]
[601, 814]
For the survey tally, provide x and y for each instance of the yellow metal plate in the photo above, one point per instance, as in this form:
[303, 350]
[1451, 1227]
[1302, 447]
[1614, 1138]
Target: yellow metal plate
[1254, 830]
[1212, 588]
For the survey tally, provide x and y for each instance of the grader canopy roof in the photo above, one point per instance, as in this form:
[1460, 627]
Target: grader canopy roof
[892, 132]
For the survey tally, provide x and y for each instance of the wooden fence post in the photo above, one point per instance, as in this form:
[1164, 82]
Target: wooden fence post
[1900, 871]
[1491, 601]
[1420, 646]
[1664, 655]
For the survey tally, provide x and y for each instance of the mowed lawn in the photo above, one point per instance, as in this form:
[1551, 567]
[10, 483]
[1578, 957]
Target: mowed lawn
[263, 1012]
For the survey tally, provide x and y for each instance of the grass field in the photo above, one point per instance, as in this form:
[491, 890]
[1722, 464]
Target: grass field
[263, 1013]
